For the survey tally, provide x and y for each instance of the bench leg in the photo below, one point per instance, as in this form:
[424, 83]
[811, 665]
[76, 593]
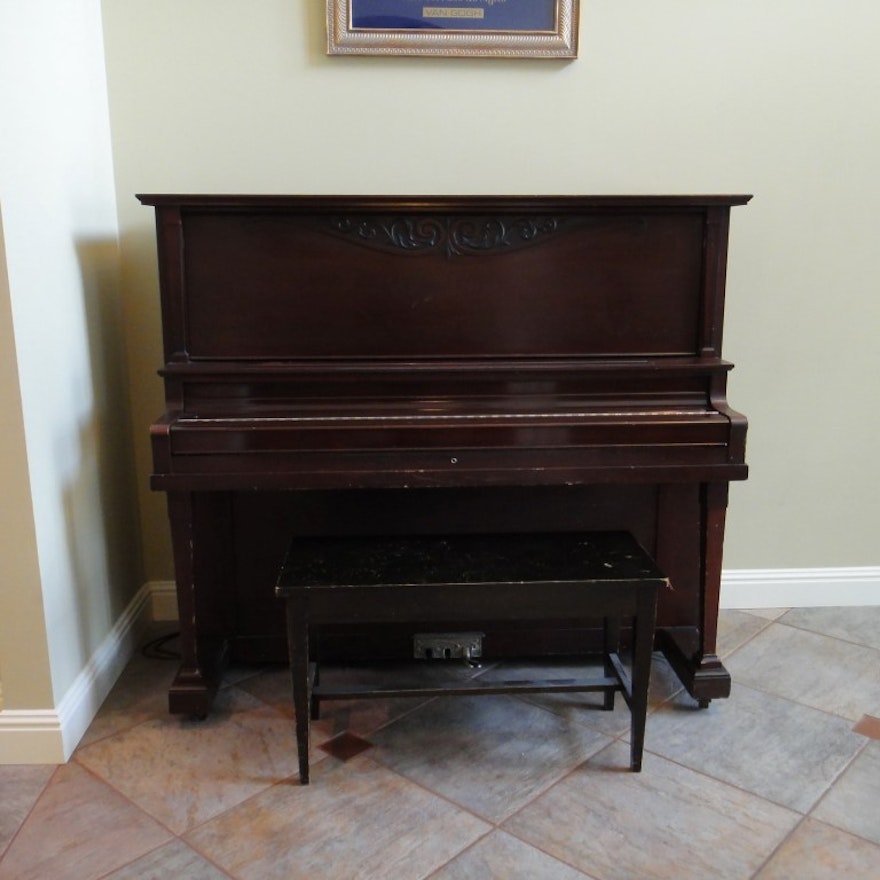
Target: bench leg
[315, 678]
[298, 648]
[610, 645]
[643, 638]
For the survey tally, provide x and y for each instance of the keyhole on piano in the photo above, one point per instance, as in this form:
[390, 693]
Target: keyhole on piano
[453, 461]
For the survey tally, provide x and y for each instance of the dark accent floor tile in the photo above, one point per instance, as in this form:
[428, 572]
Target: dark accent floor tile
[868, 725]
[345, 746]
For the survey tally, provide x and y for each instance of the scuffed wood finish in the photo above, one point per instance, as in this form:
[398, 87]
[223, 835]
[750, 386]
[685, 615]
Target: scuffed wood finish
[574, 578]
[348, 365]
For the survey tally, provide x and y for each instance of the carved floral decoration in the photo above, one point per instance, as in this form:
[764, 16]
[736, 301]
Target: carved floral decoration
[452, 236]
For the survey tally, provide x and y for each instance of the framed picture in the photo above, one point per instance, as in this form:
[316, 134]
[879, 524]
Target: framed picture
[480, 28]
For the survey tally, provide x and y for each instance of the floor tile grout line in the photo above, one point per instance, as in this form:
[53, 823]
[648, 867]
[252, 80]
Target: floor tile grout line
[779, 622]
[434, 871]
[847, 831]
[109, 735]
[836, 638]
[862, 748]
[808, 817]
[111, 871]
[293, 779]
[612, 739]
[757, 690]
[813, 806]
[404, 714]
[708, 775]
[824, 635]
[748, 640]
[531, 801]
[115, 790]
[123, 795]
[547, 853]
[29, 813]
[553, 783]
[202, 853]
[155, 849]
[786, 838]
[498, 826]
[492, 826]
[376, 759]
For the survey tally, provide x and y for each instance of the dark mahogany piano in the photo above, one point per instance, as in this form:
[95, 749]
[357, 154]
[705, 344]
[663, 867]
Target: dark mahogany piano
[394, 365]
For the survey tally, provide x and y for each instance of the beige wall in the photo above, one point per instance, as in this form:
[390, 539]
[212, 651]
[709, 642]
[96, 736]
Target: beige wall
[23, 682]
[778, 99]
[69, 554]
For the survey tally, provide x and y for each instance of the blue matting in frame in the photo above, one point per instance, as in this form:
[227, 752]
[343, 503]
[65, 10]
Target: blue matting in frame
[509, 16]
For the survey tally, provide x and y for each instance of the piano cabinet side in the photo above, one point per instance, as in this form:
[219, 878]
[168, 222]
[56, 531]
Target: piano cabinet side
[692, 651]
[201, 543]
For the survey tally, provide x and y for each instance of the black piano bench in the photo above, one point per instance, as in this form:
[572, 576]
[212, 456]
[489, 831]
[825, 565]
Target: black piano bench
[472, 579]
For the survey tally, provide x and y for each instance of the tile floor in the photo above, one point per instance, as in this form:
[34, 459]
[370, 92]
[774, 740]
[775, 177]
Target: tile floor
[782, 780]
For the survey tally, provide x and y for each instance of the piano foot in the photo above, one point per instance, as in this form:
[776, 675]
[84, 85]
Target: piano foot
[193, 690]
[704, 676]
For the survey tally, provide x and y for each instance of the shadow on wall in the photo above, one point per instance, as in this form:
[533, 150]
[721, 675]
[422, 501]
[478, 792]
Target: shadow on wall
[144, 356]
[99, 501]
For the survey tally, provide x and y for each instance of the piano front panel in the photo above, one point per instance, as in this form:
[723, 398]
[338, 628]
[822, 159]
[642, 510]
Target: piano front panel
[269, 286]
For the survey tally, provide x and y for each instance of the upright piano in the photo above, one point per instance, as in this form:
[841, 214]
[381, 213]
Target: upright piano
[396, 365]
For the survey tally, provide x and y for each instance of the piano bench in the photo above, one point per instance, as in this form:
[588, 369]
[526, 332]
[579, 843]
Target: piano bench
[469, 579]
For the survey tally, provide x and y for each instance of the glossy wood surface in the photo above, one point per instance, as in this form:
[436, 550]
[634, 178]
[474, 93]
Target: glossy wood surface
[343, 365]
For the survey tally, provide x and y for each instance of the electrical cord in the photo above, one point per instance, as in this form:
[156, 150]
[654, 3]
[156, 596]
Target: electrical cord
[157, 650]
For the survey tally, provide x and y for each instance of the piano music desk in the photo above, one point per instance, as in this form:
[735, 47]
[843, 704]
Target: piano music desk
[465, 578]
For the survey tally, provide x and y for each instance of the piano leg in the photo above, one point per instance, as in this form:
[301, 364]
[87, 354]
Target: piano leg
[200, 566]
[703, 675]
[691, 653]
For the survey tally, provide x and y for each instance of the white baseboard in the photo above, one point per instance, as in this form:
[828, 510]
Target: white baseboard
[740, 588]
[49, 736]
[800, 587]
